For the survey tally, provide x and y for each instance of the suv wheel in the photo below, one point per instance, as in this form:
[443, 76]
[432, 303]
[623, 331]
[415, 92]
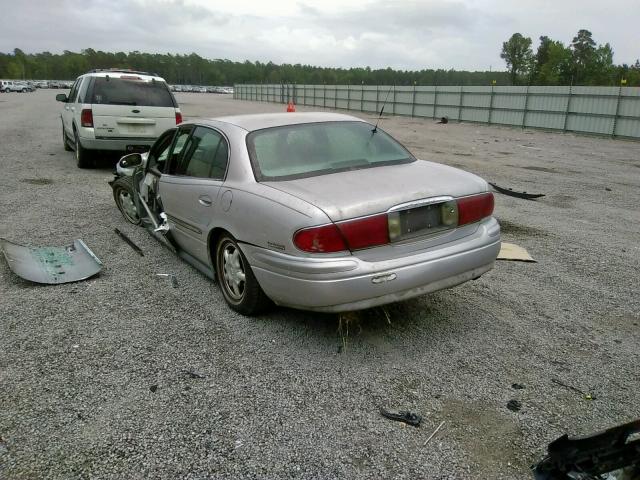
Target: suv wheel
[237, 282]
[82, 155]
[65, 142]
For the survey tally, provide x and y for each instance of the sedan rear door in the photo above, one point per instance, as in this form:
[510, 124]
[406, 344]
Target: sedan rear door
[189, 190]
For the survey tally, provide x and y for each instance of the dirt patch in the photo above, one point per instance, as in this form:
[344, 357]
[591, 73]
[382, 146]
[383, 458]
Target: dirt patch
[37, 181]
[520, 230]
[560, 201]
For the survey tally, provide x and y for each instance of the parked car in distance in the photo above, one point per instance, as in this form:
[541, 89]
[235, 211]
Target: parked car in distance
[316, 211]
[118, 110]
[13, 86]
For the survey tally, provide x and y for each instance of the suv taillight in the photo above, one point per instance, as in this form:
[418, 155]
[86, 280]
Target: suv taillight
[86, 117]
[178, 118]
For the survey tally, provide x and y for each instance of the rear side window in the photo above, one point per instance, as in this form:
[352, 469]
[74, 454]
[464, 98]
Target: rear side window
[118, 91]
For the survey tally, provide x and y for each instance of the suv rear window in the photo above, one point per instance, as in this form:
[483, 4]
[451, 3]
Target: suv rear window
[118, 91]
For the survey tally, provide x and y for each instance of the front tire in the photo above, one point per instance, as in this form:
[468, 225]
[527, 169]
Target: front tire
[239, 286]
[124, 194]
[82, 155]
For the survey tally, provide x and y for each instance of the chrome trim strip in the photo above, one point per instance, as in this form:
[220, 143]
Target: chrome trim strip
[420, 203]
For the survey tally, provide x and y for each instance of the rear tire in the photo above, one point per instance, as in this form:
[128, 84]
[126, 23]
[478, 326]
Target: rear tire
[83, 159]
[239, 286]
[65, 141]
[124, 194]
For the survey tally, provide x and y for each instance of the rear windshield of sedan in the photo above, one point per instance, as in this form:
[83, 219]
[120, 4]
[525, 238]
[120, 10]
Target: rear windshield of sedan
[117, 91]
[311, 149]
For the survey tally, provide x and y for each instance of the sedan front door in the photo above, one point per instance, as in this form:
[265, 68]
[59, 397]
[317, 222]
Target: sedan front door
[189, 191]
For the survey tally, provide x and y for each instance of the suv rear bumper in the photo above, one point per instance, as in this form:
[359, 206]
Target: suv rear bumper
[116, 144]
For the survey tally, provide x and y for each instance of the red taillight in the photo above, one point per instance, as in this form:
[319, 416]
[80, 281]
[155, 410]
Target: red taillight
[474, 208]
[86, 117]
[365, 232]
[178, 118]
[324, 239]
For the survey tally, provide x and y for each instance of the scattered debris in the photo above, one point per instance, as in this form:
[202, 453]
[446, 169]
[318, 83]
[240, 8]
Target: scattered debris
[514, 405]
[517, 386]
[135, 247]
[192, 374]
[51, 265]
[613, 450]
[174, 280]
[511, 193]
[586, 396]
[607, 189]
[434, 433]
[443, 121]
[530, 147]
[153, 388]
[412, 419]
[37, 181]
[510, 251]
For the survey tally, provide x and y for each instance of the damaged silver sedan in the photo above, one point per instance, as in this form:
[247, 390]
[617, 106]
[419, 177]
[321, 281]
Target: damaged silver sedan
[316, 211]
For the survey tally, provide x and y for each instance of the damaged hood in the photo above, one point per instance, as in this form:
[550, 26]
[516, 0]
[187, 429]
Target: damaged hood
[367, 191]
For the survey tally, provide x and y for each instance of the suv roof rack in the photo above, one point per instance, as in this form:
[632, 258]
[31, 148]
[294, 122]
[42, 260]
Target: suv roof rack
[122, 70]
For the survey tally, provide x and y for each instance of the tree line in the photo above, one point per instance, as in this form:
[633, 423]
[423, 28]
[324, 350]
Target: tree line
[583, 62]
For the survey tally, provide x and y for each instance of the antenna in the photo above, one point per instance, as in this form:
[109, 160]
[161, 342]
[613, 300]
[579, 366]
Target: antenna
[375, 128]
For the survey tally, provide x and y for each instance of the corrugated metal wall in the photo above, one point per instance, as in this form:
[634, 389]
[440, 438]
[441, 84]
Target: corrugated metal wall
[611, 111]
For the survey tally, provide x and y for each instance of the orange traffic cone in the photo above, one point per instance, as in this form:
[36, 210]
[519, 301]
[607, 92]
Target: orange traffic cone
[291, 107]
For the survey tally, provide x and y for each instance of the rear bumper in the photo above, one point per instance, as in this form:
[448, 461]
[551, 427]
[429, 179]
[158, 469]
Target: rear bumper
[118, 144]
[349, 283]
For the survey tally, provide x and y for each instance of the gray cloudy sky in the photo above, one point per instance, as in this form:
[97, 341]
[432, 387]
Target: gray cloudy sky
[409, 34]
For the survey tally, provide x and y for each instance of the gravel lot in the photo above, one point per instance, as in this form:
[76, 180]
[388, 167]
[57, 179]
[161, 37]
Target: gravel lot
[92, 374]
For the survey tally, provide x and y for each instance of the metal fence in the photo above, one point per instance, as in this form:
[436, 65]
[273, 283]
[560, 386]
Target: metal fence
[613, 111]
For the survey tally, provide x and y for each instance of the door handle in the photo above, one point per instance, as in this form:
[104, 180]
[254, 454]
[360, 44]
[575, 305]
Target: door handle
[205, 200]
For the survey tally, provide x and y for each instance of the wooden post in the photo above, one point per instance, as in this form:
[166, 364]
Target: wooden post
[413, 100]
[568, 108]
[526, 105]
[615, 118]
[490, 106]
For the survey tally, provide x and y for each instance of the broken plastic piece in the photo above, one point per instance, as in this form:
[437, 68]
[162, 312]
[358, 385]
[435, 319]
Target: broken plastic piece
[51, 265]
[592, 456]
[511, 193]
[174, 280]
[135, 247]
[514, 405]
[407, 417]
[510, 251]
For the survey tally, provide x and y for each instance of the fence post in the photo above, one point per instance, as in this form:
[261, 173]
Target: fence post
[568, 109]
[362, 97]
[435, 100]
[393, 105]
[377, 97]
[324, 95]
[490, 106]
[460, 104]
[526, 105]
[335, 97]
[413, 100]
[348, 96]
[615, 118]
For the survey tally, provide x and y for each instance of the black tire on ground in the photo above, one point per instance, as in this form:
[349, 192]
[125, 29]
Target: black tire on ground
[83, 159]
[65, 141]
[239, 286]
[123, 194]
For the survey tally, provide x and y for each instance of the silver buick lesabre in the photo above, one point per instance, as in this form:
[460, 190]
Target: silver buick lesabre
[316, 211]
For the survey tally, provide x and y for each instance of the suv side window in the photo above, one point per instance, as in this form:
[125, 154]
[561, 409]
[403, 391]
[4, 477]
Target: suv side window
[206, 156]
[74, 91]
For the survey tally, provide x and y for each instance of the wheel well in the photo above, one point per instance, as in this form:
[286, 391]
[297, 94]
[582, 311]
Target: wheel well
[214, 235]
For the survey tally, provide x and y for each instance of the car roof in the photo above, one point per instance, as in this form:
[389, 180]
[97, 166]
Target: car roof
[267, 120]
[119, 74]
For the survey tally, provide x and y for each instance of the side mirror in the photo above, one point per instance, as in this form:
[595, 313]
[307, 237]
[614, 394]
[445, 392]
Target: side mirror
[61, 97]
[131, 160]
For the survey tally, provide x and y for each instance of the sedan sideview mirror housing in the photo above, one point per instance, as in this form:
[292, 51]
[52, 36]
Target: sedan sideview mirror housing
[61, 97]
[131, 160]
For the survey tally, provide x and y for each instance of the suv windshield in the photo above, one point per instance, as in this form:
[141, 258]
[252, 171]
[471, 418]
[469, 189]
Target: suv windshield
[306, 150]
[118, 91]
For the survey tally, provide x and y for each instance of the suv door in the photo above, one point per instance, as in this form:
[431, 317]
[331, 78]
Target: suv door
[190, 190]
[70, 109]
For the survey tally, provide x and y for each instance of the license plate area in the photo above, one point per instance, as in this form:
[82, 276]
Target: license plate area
[422, 220]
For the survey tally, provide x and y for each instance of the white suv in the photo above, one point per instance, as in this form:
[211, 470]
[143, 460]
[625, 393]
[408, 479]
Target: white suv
[11, 86]
[120, 110]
